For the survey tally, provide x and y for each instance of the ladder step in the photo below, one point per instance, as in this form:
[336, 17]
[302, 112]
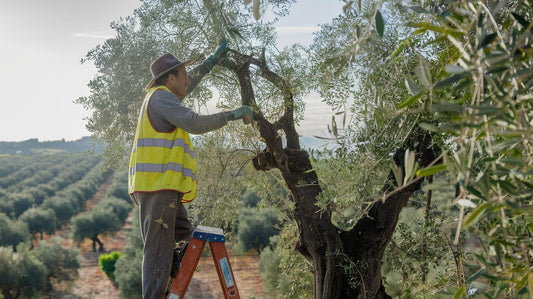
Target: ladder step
[209, 230]
[212, 233]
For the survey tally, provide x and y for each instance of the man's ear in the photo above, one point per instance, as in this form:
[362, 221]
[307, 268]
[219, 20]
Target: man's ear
[170, 77]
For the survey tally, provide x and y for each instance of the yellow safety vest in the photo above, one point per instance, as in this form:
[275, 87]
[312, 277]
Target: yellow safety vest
[161, 160]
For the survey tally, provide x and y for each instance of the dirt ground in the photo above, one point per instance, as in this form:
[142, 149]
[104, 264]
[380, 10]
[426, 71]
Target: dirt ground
[92, 283]
[205, 283]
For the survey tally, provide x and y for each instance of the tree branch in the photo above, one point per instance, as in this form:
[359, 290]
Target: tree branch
[286, 121]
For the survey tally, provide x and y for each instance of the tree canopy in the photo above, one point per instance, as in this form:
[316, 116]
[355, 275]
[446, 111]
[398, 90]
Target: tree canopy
[433, 95]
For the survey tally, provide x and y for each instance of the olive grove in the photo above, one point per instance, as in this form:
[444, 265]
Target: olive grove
[433, 95]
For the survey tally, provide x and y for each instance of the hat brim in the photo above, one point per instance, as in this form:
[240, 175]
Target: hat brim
[184, 63]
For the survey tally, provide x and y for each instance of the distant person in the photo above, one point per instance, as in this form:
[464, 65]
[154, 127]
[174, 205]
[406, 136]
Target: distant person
[162, 170]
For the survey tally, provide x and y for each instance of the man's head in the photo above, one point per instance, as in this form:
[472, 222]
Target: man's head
[177, 81]
[169, 71]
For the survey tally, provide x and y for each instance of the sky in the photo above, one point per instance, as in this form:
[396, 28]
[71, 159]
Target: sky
[42, 43]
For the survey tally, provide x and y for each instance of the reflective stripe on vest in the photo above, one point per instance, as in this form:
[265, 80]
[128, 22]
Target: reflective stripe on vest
[159, 142]
[163, 168]
[161, 160]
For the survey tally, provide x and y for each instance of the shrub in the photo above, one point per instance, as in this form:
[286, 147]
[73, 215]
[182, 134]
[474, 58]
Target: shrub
[270, 271]
[20, 274]
[107, 263]
[12, 232]
[61, 263]
[118, 206]
[255, 228]
[119, 188]
[128, 268]
[21, 202]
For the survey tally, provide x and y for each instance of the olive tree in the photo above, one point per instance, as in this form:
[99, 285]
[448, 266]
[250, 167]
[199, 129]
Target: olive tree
[13, 232]
[117, 206]
[91, 225]
[485, 81]
[61, 263]
[255, 229]
[39, 221]
[62, 207]
[21, 274]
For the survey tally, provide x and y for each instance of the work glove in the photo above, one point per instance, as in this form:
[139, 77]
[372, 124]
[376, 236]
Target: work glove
[244, 113]
[220, 53]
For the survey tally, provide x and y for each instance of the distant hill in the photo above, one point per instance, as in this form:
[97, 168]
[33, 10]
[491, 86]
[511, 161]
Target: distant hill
[36, 147]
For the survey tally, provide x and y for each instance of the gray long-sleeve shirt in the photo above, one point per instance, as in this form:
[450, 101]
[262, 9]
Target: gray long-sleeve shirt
[166, 112]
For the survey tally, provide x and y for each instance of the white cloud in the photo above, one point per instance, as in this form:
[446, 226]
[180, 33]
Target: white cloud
[94, 35]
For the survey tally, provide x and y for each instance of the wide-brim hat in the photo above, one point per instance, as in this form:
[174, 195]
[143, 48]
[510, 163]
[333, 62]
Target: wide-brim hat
[163, 65]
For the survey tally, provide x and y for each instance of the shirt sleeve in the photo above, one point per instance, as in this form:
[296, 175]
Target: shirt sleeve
[196, 75]
[166, 112]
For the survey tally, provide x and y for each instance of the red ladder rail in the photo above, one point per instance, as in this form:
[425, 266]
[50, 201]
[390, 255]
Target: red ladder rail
[216, 239]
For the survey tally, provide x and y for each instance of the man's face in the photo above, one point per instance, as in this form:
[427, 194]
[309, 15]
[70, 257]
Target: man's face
[178, 83]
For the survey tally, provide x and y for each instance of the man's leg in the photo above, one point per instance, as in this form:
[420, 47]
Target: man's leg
[157, 211]
[182, 234]
[183, 227]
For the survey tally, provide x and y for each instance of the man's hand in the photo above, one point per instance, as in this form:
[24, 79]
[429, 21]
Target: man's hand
[219, 54]
[244, 113]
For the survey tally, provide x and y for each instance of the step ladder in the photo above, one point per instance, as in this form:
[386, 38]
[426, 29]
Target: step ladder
[200, 236]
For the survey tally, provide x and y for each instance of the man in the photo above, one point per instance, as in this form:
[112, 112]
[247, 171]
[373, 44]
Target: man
[163, 163]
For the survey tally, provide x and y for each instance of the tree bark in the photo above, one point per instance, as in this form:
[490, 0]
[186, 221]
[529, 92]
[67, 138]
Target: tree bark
[100, 244]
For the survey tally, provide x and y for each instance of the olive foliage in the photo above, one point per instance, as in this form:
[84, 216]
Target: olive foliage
[460, 71]
[476, 93]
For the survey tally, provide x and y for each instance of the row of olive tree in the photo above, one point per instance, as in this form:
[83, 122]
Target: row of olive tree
[36, 170]
[107, 217]
[69, 179]
[28, 273]
[69, 201]
[31, 271]
[19, 168]
[54, 212]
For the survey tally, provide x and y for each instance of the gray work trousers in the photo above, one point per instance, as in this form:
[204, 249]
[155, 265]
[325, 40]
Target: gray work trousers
[164, 222]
